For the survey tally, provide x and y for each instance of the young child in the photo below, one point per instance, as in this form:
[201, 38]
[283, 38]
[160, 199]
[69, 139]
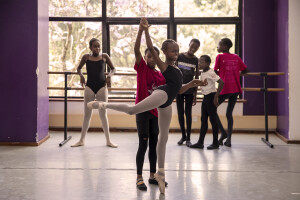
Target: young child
[95, 88]
[228, 66]
[161, 98]
[148, 79]
[188, 64]
[209, 104]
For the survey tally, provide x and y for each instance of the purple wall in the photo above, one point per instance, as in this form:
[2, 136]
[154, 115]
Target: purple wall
[259, 52]
[19, 83]
[282, 50]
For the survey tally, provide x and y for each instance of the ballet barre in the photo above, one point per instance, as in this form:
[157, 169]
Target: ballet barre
[265, 89]
[66, 88]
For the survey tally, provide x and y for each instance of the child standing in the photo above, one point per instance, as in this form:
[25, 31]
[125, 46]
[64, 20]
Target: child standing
[95, 88]
[148, 79]
[228, 66]
[160, 98]
[209, 104]
[188, 64]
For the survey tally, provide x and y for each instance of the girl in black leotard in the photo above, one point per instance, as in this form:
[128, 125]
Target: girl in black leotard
[160, 98]
[95, 88]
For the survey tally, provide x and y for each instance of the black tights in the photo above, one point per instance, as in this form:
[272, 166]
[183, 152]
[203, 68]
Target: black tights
[208, 109]
[232, 98]
[147, 125]
[187, 111]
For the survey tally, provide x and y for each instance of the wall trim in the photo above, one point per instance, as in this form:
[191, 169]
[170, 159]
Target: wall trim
[287, 140]
[25, 143]
[172, 130]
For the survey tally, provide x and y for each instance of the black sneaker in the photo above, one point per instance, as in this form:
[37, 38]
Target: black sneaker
[227, 143]
[188, 143]
[154, 181]
[197, 145]
[141, 185]
[213, 146]
[180, 142]
[221, 139]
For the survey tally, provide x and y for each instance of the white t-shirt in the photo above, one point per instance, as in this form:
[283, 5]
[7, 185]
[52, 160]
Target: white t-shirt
[212, 78]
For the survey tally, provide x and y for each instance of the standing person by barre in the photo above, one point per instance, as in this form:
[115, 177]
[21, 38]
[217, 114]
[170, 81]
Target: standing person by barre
[228, 66]
[209, 104]
[188, 64]
[95, 88]
[160, 98]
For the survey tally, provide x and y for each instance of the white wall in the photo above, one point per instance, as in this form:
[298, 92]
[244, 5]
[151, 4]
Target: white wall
[294, 69]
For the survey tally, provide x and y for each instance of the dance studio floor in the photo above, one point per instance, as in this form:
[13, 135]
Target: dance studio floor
[248, 170]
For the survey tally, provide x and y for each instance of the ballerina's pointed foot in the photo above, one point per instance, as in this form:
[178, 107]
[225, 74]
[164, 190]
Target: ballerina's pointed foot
[110, 144]
[161, 182]
[78, 144]
[96, 105]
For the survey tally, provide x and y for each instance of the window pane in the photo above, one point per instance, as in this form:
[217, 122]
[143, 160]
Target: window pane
[75, 8]
[138, 8]
[208, 8]
[122, 39]
[209, 36]
[68, 42]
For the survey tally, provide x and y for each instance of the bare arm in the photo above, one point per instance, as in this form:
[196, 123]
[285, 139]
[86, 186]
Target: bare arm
[161, 65]
[81, 64]
[220, 87]
[196, 89]
[245, 71]
[193, 83]
[110, 65]
[137, 45]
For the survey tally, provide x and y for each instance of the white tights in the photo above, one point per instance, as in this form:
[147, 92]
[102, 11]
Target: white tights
[89, 95]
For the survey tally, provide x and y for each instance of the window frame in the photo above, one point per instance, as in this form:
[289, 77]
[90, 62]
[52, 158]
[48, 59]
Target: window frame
[170, 21]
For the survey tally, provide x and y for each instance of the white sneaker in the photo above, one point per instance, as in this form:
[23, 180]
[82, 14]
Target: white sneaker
[96, 105]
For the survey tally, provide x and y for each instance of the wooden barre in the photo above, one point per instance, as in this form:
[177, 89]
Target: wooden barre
[72, 88]
[262, 89]
[263, 74]
[75, 73]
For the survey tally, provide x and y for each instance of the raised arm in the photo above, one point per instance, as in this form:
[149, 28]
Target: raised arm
[137, 45]
[161, 65]
[81, 64]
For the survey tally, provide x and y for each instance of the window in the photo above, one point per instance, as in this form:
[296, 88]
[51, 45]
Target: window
[115, 22]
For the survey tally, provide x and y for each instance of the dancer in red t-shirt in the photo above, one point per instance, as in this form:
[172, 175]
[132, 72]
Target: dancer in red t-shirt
[228, 66]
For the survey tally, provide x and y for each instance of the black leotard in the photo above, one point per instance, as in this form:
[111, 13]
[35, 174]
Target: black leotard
[173, 84]
[95, 75]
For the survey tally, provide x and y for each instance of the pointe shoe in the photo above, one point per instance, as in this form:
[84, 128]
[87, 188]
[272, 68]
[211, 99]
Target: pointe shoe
[96, 105]
[78, 144]
[110, 144]
[161, 182]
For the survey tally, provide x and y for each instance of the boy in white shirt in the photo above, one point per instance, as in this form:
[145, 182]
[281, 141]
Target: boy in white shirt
[209, 104]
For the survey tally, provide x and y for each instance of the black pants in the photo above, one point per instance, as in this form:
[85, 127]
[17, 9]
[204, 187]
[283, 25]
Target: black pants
[147, 126]
[187, 111]
[208, 109]
[232, 98]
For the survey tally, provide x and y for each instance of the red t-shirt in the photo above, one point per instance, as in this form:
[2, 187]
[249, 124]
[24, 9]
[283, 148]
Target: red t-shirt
[229, 67]
[147, 81]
